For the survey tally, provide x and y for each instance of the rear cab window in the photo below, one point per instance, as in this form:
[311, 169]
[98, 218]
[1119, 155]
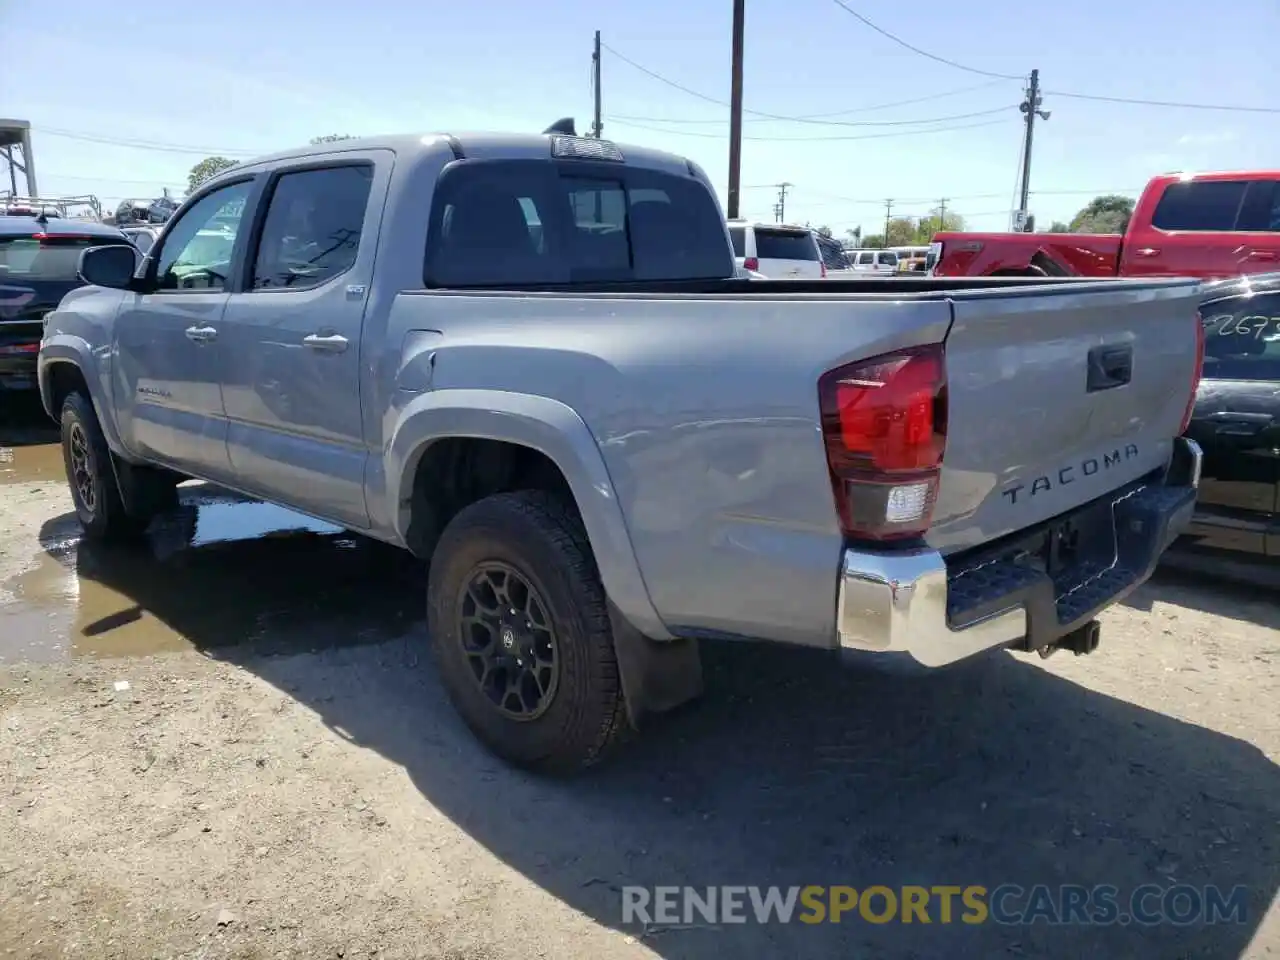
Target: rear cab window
[1242, 338]
[785, 245]
[499, 223]
[36, 256]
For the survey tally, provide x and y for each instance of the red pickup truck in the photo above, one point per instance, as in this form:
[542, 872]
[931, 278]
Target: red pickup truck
[1209, 225]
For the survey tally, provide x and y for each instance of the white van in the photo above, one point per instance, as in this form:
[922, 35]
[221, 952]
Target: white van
[777, 251]
[873, 261]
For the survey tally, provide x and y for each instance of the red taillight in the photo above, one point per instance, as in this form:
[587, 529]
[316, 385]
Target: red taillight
[884, 421]
[1195, 374]
[751, 263]
[823, 266]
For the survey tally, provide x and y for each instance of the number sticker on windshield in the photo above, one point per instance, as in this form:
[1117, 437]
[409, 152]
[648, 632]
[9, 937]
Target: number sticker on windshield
[1255, 327]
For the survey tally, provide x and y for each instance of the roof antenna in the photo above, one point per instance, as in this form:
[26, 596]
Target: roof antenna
[563, 126]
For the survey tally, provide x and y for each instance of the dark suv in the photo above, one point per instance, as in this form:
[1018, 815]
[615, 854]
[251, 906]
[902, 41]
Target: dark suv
[1236, 419]
[39, 257]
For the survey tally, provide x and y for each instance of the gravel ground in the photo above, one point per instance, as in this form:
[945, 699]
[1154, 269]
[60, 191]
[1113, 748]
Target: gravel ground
[282, 776]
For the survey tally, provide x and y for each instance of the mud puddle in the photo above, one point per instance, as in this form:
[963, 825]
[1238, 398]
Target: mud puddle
[35, 463]
[221, 574]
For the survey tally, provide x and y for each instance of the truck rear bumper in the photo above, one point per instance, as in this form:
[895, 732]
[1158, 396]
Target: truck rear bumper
[1026, 591]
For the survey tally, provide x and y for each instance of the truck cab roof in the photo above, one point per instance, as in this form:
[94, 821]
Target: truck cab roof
[475, 145]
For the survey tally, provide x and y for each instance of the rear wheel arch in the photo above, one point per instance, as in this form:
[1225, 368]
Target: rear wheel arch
[552, 450]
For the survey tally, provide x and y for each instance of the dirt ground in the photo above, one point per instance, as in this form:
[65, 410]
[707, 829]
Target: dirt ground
[230, 745]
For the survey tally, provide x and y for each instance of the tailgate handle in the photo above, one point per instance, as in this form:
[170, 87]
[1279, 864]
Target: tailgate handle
[1109, 367]
[1262, 255]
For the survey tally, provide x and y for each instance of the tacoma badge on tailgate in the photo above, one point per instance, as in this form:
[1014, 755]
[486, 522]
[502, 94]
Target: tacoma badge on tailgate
[1087, 467]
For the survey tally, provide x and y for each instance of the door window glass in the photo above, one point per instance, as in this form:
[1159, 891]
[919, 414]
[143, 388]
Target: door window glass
[197, 253]
[1200, 205]
[313, 225]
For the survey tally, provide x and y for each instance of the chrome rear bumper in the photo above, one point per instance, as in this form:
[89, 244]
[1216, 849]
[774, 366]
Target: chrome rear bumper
[940, 610]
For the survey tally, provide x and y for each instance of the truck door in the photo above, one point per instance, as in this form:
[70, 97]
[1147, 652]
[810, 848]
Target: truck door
[1192, 232]
[291, 373]
[169, 343]
[1237, 423]
[1259, 227]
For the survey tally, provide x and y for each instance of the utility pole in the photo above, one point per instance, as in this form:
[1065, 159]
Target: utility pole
[735, 109]
[1030, 108]
[597, 126]
[888, 208]
[942, 214]
[780, 208]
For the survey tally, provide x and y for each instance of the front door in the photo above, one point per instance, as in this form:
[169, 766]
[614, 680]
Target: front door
[165, 375]
[1237, 423]
[291, 380]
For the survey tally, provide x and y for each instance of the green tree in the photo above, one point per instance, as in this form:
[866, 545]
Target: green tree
[854, 236]
[207, 169]
[873, 242]
[1105, 214]
[1059, 227]
[824, 231]
[901, 232]
[937, 222]
[330, 138]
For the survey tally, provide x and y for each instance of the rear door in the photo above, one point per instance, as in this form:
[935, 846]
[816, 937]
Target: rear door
[290, 369]
[1237, 424]
[788, 254]
[1193, 232]
[1058, 395]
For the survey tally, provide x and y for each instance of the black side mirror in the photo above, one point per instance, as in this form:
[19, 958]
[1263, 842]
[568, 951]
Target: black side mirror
[110, 266]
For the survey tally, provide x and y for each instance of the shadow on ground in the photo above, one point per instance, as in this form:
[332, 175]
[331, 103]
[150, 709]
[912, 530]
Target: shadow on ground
[1227, 585]
[23, 421]
[787, 772]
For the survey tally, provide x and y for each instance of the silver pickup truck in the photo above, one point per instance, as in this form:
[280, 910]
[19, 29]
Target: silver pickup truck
[528, 360]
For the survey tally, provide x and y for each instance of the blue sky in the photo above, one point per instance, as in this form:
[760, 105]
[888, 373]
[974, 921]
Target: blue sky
[178, 81]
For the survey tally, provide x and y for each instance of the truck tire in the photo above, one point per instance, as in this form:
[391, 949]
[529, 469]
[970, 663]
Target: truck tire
[91, 477]
[520, 632]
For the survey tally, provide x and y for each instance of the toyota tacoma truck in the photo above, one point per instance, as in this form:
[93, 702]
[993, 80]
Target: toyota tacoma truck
[1209, 225]
[528, 360]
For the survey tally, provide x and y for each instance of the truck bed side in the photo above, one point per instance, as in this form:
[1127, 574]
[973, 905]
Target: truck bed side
[705, 409]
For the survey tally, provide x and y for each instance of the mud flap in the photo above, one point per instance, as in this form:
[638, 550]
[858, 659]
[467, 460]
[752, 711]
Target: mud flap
[656, 675]
[144, 491]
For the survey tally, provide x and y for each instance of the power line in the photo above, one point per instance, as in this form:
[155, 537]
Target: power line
[810, 117]
[1134, 101]
[146, 144]
[864, 136]
[924, 53]
[1162, 103]
[819, 118]
[844, 123]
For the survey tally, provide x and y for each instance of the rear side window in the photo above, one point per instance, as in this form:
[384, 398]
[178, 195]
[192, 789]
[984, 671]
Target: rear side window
[785, 245]
[1200, 205]
[866, 258]
[312, 230]
[888, 259]
[1242, 338]
[1261, 208]
[30, 258]
[738, 237]
[520, 222]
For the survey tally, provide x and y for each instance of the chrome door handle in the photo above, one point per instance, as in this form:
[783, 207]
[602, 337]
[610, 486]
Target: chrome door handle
[201, 334]
[329, 343]
[1148, 252]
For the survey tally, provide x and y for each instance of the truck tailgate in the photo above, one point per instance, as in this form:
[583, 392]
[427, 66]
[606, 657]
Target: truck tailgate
[1057, 396]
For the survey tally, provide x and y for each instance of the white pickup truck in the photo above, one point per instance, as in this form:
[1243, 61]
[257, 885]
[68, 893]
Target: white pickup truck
[528, 360]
